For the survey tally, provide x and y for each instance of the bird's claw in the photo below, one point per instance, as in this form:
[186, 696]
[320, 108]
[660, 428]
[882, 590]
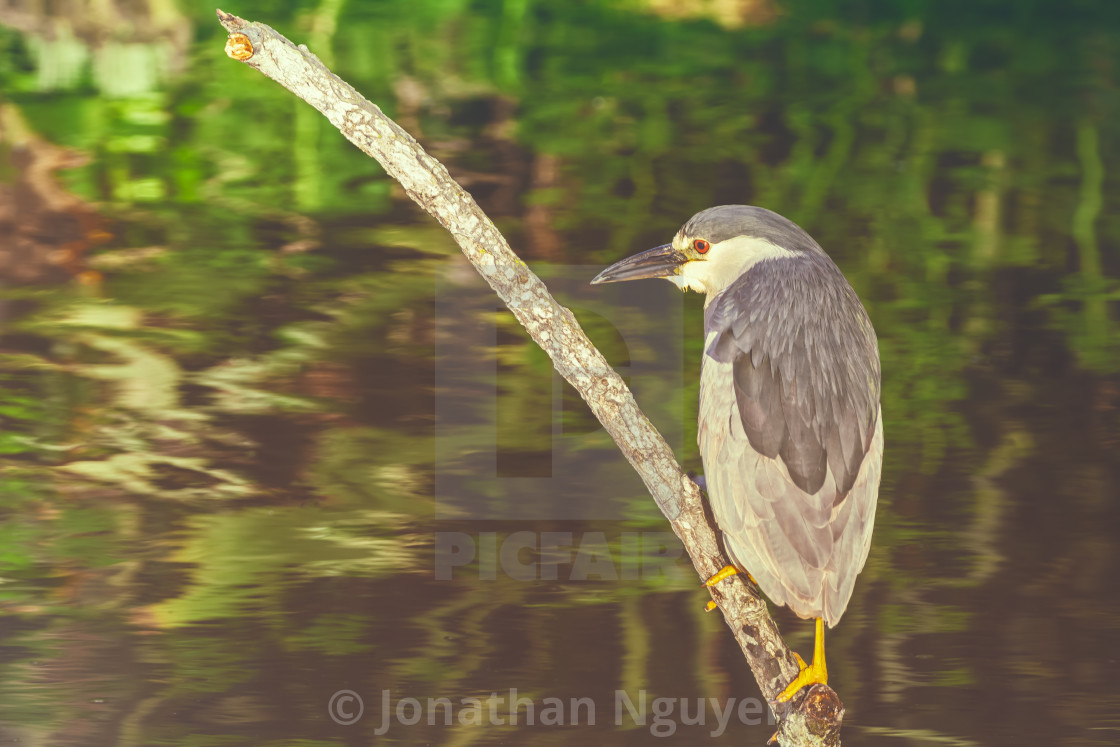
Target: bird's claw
[809, 674]
[726, 572]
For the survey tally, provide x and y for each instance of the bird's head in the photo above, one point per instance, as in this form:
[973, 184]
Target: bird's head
[714, 248]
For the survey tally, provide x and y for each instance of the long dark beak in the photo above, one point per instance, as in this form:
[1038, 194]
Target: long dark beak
[659, 262]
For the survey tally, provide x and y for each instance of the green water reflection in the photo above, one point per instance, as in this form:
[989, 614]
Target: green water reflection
[222, 470]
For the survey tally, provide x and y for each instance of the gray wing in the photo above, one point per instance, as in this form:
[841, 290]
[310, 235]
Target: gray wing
[791, 433]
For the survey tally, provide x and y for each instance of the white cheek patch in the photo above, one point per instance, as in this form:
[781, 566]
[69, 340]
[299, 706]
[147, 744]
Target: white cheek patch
[725, 263]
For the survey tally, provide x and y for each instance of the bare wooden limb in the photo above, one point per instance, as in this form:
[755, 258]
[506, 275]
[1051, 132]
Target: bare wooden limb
[813, 718]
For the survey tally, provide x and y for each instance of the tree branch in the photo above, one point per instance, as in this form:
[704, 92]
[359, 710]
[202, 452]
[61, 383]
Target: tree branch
[812, 719]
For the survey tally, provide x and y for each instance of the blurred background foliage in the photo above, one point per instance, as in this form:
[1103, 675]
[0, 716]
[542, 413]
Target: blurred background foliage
[221, 467]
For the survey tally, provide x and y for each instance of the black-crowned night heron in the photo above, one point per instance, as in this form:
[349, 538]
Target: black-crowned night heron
[790, 432]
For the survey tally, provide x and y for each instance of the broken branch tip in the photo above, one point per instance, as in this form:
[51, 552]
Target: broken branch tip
[229, 20]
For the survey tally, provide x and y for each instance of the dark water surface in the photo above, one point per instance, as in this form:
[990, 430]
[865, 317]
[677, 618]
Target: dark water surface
[266, 437]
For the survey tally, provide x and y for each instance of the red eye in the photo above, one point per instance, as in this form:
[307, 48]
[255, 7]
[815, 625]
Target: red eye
[701, 246]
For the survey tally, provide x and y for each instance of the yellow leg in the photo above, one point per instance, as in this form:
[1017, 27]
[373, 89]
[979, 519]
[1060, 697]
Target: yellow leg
[811, 674]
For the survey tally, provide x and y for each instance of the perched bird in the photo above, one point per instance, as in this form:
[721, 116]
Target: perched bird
[790, 430]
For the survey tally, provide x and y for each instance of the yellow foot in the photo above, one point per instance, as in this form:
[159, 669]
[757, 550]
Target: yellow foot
[726, 572]
[809, 675]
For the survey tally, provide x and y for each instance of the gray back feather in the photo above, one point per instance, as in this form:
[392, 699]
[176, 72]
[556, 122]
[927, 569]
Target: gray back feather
[805, 364]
